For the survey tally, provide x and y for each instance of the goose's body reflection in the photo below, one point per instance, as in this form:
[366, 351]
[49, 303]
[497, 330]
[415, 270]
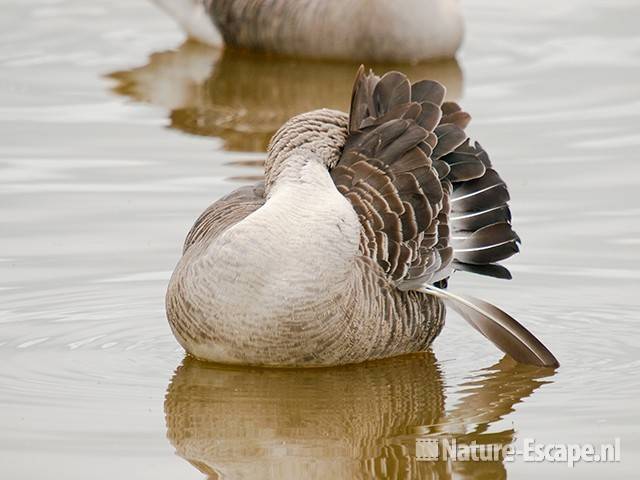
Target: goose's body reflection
[358, 421]
[244, 98]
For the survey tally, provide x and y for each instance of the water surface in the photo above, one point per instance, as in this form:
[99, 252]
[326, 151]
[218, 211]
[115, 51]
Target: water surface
[115, 135]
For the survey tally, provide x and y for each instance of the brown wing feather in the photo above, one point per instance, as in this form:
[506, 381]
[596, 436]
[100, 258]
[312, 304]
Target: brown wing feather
[387, 174]
[405, 156]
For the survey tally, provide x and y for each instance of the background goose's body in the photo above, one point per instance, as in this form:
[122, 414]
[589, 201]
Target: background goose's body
[329, 260]
[375, 30]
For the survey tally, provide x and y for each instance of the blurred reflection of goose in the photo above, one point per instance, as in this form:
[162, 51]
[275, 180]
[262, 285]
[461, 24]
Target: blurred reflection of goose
[244, 99]
[358, 30]
[351, 422]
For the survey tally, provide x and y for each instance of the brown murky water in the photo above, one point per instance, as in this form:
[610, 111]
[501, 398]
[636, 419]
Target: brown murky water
[114, 136]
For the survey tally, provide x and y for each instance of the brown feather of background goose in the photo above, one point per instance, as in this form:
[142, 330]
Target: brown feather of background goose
[427, 201]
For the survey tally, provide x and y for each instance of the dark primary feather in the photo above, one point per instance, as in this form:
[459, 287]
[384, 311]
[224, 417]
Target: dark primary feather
[482, 193]
[489, 270]
[488, 244]
[501, 329]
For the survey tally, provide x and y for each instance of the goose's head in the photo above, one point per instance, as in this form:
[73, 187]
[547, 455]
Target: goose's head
[316, 136]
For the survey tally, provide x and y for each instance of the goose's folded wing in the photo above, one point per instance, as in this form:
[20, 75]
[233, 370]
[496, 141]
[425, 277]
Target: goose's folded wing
[398, 170]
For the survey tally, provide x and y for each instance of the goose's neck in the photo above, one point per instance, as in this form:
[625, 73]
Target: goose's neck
[301, 174]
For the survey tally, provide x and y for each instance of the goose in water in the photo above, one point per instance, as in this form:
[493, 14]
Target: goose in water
[343, 253]
[374, 30]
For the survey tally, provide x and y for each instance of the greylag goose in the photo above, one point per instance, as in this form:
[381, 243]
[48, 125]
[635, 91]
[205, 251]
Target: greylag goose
[342, 254]
[374, 30]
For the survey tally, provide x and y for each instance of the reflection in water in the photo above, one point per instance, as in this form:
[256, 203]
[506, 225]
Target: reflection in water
[244, 98]
[358, 421]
